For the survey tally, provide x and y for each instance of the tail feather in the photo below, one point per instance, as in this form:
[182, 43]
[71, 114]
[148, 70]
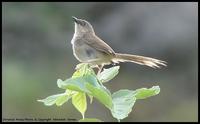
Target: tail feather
[151, 62]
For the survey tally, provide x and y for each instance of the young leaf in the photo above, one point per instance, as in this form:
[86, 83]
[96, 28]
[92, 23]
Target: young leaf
[50, 100]
[80, 102]
[90, 120]
[123, 101]
[144, 92]
[91, 80]
[59, 98]
[100, 94]
[123, 93]
[83, 69]
[81, 66]
[78, 83]
[62, 99]
[105, 89]
[108, 74]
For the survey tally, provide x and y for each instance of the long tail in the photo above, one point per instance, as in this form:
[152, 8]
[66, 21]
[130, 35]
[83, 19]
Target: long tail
[151, 62]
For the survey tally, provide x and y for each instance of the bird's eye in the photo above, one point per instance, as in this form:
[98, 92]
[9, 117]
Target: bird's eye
[83, 23]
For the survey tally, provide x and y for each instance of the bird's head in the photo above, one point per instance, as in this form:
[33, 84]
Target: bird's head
[82, 26]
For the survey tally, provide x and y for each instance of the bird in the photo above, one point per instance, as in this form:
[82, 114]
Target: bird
[89, 48]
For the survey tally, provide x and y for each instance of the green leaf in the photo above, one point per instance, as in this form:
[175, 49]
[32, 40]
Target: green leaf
[144, 92]
[83, 69]
[50, 100]
[80, 102]
[91, 80]
[100, 94]
[123, 93]
[90, 120]
[81, 66]
[62, 99]
[123, 101]
[72, 84]
[105, 89]
[78, 83]
[108, 74]
[59, 99]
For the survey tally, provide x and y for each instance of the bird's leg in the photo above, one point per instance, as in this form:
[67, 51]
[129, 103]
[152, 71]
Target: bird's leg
[100, 67]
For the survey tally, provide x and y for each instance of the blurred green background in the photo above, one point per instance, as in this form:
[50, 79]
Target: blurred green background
[36, 51]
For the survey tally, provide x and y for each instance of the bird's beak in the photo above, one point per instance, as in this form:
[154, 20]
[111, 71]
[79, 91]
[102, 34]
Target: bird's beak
[75, 19]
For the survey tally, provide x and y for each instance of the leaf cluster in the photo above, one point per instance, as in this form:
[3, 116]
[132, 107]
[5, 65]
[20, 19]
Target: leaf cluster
[84, 82]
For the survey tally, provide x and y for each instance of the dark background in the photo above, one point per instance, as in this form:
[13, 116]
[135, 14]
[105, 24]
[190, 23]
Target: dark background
[36, 51]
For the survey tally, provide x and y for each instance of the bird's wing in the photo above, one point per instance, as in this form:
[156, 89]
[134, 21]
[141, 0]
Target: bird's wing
[98, 44]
